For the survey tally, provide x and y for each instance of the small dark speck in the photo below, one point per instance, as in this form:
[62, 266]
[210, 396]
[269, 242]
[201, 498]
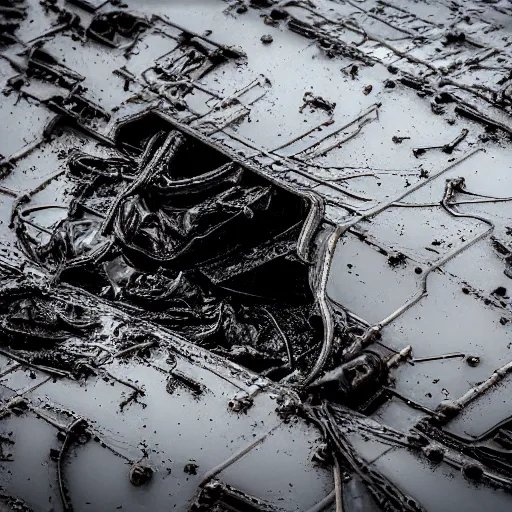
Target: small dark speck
[501, 291]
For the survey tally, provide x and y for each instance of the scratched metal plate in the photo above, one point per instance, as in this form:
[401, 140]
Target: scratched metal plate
[407, 79]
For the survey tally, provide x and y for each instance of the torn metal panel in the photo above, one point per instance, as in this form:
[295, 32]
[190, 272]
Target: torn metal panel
[295, 244]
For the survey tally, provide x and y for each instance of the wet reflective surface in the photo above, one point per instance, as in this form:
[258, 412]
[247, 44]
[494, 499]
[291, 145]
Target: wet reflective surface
[255, 255]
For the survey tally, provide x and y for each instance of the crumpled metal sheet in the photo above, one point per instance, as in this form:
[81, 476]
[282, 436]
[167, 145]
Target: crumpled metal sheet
[383, 282]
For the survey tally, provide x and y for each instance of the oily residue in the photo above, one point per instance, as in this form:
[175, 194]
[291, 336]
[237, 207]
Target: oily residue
[167, 247]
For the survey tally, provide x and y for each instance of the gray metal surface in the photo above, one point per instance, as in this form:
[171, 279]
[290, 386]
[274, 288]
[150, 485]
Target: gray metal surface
[408, 96]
